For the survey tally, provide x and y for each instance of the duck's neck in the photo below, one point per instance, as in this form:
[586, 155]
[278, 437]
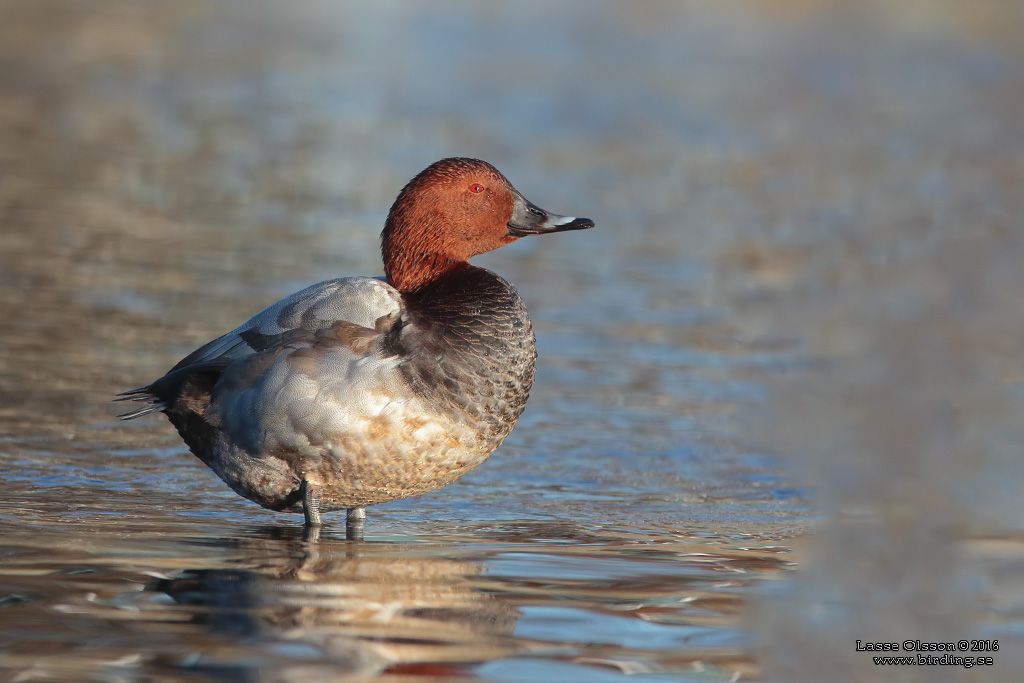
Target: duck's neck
[408, 273]
[414, 248]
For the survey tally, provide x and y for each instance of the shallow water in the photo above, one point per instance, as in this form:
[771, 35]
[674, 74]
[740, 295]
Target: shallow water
[731, 465]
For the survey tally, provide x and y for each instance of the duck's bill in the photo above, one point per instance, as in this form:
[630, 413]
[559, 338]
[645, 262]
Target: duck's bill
[529, 219]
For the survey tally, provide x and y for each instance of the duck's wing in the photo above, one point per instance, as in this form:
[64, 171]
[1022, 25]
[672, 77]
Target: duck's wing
[358, 300]
[349, 303]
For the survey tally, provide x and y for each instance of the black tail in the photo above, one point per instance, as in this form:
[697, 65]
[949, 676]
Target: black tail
[194, 381]
[143, 394]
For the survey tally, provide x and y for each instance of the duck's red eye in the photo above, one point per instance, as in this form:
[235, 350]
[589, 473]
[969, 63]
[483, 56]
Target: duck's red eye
[476, 187]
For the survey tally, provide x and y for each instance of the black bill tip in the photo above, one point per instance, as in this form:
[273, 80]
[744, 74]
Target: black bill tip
[576, 224]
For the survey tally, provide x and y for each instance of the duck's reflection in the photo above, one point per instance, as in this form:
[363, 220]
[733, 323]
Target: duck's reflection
[368, 606]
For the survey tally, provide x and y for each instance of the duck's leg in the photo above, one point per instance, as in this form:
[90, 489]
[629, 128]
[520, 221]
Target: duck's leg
[355, 520]
[311, 534]
[311, 494]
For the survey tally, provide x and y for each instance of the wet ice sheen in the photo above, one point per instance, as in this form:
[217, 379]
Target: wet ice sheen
[266, 599]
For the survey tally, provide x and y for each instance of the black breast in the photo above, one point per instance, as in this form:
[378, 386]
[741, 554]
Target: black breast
[471, 349]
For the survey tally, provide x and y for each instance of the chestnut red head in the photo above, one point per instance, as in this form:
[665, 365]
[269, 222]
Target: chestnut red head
[453, 210]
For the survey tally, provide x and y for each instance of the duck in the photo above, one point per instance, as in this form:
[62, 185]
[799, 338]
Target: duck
[363, 390]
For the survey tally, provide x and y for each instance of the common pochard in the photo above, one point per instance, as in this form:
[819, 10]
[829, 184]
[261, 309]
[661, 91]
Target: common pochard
[361, 390]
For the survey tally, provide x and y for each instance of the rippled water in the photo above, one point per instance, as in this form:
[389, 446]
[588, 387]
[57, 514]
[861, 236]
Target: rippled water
[778, 388]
